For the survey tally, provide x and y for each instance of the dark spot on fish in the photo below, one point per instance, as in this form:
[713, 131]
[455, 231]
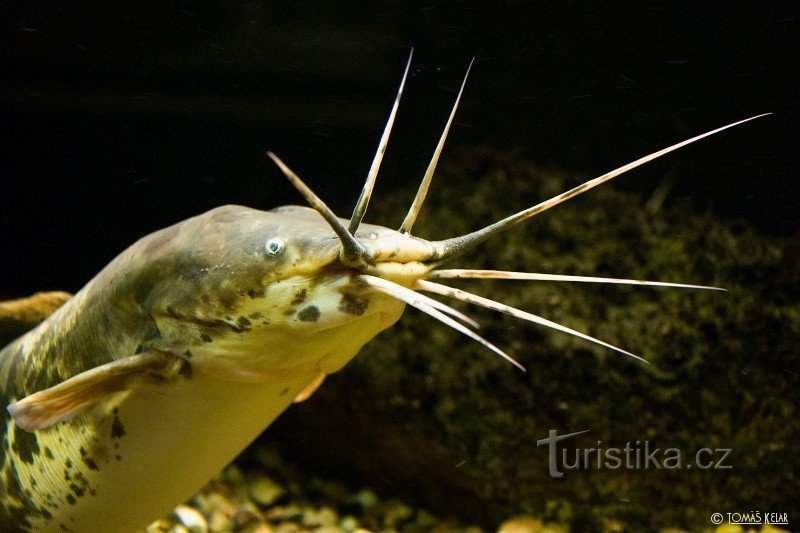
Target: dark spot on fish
[25, 445]
[90, 463]
[71, 499]
[243, 322]
[256, 315]
[77, 490]
[186, 370]
[15, 515]
[188, 354]
[47, 514]
[171, 310]
[283, 392]
[255, 294]
[118, 457]
[67, 477]
[12, 486]
[289, 312]
[88, 460]
[309, 314]
[117, 429]
[80, 478]
[206, 337]
[299, 297]
[68, 463]
[353, 305]
[48, 452]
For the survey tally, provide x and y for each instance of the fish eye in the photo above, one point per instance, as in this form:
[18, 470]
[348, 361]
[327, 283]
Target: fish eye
[275, 246]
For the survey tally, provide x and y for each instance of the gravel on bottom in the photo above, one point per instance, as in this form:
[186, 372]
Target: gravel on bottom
[261, 493]
[269, 495]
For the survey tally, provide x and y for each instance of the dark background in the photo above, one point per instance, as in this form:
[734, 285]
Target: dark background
[122, 117]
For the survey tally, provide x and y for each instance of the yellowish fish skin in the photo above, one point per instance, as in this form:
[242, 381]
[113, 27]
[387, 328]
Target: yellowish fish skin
[252, 329]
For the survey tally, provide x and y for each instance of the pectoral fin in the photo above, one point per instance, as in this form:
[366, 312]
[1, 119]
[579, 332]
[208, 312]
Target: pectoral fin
[77, 394]
[306, 393]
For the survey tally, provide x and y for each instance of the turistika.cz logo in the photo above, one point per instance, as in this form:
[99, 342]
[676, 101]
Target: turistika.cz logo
[637, 455]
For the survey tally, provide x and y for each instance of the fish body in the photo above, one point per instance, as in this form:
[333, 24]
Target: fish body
[251, 330]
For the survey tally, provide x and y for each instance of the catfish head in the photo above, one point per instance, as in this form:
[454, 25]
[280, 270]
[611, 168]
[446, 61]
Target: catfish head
[302, 286]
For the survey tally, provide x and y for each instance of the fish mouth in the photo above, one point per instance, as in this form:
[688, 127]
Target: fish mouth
[214, 324]
[405, 274]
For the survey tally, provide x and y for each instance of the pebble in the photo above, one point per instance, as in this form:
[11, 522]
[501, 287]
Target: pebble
[396, 513]
[220, 523]
[425, 520]
[366, 498]
[232, 475]
[325, 516]
[531, 524]
[280, 514]
[264, 491]
[218, 503]
[246, 517]
[348, 523]
[194, 521]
